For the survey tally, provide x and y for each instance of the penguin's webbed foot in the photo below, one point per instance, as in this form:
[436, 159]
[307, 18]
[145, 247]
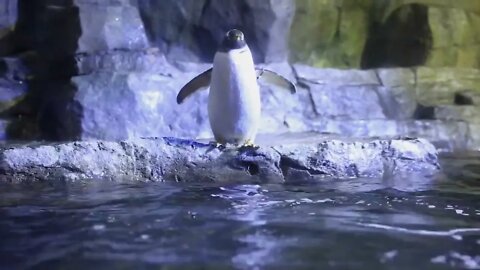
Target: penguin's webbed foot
[249, 145]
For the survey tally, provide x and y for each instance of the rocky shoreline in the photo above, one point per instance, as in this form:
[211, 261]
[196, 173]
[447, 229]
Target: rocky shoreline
[280, 158]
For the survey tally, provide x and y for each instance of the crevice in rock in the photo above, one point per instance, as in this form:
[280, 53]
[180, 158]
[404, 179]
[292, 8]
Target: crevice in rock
[423, 112]
[380, 81]
[415, 78]
[463, 99]
[252, 168]
[339, 22]
[248, 166]
[287, 163]
[302, 84]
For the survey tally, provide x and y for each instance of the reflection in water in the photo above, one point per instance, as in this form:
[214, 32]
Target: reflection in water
[249, 205]
[348, 224]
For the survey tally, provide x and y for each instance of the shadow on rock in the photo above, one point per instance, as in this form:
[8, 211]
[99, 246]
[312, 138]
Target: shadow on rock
[46, 41]
[403, 40]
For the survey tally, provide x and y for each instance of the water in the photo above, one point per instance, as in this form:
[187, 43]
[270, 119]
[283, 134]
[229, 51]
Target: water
[349, 224]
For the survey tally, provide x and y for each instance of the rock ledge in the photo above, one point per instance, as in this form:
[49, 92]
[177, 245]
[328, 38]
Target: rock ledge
[289, 157]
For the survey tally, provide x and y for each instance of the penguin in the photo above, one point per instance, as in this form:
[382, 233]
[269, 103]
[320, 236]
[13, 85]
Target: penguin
[234, 106]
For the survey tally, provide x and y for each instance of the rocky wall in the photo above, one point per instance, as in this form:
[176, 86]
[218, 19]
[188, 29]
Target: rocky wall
[89, 69]
[373, 33]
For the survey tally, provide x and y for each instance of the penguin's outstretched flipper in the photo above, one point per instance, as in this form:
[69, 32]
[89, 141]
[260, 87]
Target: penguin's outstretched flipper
[265, 75]
[201, 81]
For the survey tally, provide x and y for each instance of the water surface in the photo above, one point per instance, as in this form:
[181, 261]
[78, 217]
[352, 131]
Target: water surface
[335, 224]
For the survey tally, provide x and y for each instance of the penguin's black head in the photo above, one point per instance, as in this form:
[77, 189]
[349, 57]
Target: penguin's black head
[234, 39]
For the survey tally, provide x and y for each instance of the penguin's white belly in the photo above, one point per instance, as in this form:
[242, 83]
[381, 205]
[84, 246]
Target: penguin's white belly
[234, 98]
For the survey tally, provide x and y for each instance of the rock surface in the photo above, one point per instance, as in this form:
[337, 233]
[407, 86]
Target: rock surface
[192, 30]
[89, 69]
[392, 33]
[126, 95]
[58, 29]
[326, 33]
[306, 157]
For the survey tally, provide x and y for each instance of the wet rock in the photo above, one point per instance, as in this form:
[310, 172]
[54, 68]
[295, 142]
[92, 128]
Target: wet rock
[278, 159]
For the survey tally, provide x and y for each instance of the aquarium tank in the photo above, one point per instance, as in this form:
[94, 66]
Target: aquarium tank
[240, 134]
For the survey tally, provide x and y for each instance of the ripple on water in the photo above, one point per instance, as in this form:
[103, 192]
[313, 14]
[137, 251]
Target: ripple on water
[364, 224]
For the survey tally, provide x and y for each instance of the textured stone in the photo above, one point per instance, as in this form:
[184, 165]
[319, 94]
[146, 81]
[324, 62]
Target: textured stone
[456, 42]
[11, 93]
[58, 29]
[192, 29]
[439, 85]
[4, 129]
[350, 77]
[445, 135]
[116, 106]
[467, 98]
[7, 42]
[394, 77]
[460, 113]
[282, 111]
[110, 27]
[399, 102]
[151, 61]
[347, 102]
[359, 128]
[290, 158]
[447, 74]
[474, 140]
[370, 34]
[342, 94]
[8, 13]
[322, 35]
